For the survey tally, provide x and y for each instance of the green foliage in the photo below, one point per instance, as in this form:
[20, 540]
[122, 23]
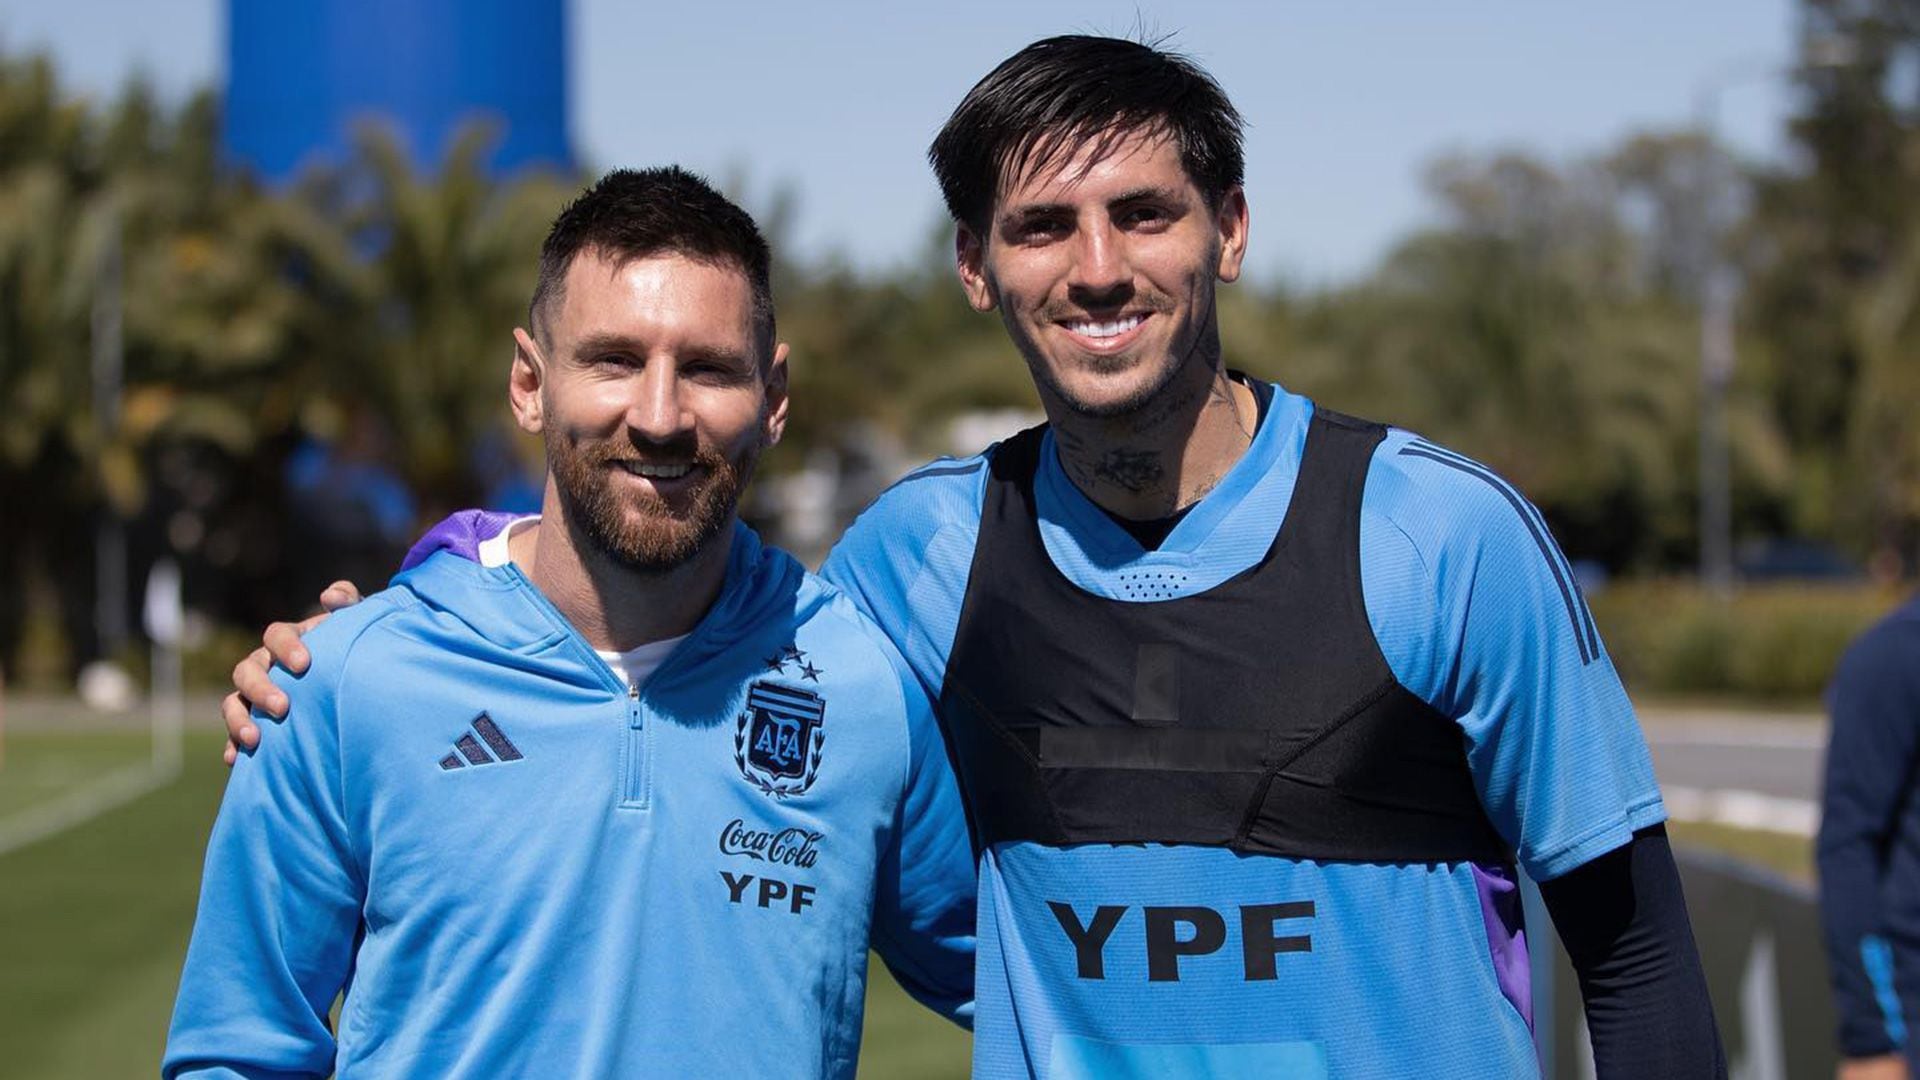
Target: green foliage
[1764, 643]
[1543, 327]
[905, 352]
[422, 334]
[1546, 322]
[1831, 251]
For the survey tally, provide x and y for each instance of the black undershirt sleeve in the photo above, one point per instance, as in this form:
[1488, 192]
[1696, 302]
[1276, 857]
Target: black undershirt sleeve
[1624, 923]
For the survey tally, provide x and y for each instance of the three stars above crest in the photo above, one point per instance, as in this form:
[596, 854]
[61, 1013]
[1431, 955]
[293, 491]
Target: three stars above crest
[788, 654]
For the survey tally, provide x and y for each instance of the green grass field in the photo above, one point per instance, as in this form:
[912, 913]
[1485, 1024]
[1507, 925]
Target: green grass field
[94, 922]
[40, 767]
[1789, 856]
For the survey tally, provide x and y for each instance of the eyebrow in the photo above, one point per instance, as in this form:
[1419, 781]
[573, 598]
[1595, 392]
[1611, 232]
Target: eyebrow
[595, 344]
[1140, 194]
[600, 343]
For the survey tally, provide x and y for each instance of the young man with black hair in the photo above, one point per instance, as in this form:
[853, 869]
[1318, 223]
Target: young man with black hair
[1254, 706]
[619, 791]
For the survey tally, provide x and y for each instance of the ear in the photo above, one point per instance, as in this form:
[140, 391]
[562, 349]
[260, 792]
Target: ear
[524, 382]
[970, 259]
[1231, 220]
[776, 401]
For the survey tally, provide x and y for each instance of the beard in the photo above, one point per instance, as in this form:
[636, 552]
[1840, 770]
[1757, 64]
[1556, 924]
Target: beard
[643, 531]
[1164, 371]
[1049, 380]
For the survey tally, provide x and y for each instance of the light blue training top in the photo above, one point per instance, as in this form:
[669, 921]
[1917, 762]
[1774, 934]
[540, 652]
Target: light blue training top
[1413, 970]
[514, 866]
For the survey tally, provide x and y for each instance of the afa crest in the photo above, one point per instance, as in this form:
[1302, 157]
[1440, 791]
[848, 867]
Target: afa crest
[778, 739]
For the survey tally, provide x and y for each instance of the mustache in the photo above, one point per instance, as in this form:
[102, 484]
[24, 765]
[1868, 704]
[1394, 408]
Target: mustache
[673, 452]
[1154, 303]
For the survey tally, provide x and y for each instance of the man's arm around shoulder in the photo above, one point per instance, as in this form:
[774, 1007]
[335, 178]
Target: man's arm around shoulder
[923, 920]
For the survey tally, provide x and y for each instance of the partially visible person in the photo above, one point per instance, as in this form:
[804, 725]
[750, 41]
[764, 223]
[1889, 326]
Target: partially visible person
[1869, 849]
[618, 792]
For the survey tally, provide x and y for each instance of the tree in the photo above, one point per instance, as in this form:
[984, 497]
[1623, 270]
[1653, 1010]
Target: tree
[450, 258]
[1545, 326]
[1829, 248]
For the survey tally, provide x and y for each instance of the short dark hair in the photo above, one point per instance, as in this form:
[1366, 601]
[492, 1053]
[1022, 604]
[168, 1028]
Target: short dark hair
[1045, 101]
[633, 213]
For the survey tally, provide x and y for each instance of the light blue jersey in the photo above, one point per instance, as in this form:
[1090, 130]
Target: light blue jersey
[515, 866]
[1387, 970]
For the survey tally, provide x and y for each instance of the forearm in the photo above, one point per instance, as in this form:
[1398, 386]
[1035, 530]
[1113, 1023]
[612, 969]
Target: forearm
[924, 904]
[1859, 957]
[1623, 919]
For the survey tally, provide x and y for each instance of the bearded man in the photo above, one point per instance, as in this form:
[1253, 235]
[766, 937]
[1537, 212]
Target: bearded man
[622, 792]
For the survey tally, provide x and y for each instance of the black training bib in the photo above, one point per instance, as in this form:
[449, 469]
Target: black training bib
[1257, 715]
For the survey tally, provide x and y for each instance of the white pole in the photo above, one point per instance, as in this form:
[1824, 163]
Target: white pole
[166, 625]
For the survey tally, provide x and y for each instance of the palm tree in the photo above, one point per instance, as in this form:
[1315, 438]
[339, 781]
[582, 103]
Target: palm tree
[451, 259]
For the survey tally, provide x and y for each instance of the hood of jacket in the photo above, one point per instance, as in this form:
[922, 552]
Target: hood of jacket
[762, 583]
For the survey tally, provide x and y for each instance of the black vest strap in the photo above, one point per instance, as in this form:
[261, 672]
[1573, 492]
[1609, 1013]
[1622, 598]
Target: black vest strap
[1258, 714]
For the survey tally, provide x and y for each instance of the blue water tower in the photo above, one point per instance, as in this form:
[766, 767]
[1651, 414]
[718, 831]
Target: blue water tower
[302, 73]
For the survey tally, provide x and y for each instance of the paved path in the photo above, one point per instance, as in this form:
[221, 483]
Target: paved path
[1749, 770]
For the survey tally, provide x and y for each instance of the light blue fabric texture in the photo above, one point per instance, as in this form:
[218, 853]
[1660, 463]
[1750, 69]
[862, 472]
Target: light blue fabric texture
[625, 897]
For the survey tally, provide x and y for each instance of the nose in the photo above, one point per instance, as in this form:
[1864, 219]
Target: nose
[658, 412]
[1102, 273]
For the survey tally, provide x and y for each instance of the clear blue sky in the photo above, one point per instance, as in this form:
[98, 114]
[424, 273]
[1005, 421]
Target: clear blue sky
[1346, 101]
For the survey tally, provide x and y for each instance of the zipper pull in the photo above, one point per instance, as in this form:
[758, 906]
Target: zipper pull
[633, 691]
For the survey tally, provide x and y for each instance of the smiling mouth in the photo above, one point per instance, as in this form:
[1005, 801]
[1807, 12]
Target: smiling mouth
[654, 472]
[1105, 329]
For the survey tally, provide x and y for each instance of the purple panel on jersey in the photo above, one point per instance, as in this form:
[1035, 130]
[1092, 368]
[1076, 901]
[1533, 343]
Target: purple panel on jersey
[460, 533]
[1506, 935]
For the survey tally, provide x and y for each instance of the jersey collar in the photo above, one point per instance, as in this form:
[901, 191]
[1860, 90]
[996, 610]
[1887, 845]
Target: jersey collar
[1239, 516]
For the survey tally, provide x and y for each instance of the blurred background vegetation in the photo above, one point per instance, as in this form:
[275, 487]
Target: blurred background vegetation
[1548, 323]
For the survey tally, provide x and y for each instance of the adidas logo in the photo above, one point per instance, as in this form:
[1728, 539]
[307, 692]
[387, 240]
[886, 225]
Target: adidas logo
[470, 749]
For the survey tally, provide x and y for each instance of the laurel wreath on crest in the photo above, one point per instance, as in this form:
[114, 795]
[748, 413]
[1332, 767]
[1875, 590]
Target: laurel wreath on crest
[779, 789]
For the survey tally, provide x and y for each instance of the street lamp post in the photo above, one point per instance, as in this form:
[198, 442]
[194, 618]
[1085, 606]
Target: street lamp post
[110, 551]
[1717, 294]
[1716, 470]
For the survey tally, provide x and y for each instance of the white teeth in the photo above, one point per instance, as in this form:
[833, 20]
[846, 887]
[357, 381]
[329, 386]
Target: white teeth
[1106, 329]
[658, 472]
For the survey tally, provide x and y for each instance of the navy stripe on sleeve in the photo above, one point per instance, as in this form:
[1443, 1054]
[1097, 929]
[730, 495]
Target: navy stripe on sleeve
[1541, 532]
[931, 470]
[1562, 576]
[1876, 955]
[944, 470]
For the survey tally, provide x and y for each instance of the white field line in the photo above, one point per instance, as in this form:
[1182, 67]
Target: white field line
[113, 790]
[1743, 810]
